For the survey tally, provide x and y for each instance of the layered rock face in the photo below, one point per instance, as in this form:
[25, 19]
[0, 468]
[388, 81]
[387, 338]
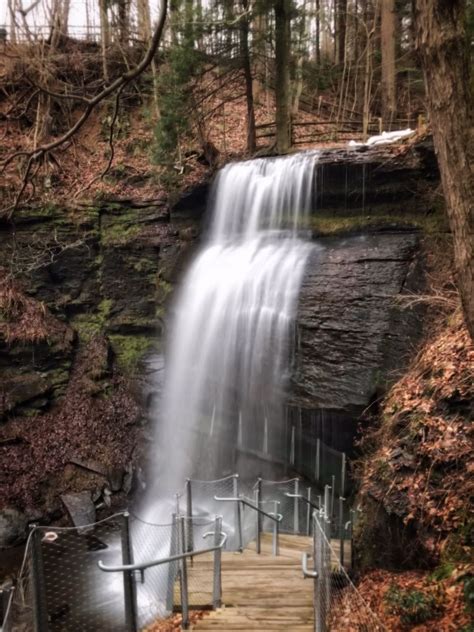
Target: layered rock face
[97, 271]
[354, 332]
[109, 270]
[83, 293]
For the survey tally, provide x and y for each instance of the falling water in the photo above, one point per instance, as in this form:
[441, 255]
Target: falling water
[228, 358]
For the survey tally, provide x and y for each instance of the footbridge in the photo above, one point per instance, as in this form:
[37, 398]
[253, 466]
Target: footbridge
[235, 555]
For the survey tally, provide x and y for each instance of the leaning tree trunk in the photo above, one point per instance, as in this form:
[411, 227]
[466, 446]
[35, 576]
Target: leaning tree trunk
[282, 72]
[444, 52]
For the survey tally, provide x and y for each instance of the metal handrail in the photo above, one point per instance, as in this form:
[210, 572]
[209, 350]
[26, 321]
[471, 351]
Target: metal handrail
[317, 507]
[304, 567]
[276, 517]
[142, 566]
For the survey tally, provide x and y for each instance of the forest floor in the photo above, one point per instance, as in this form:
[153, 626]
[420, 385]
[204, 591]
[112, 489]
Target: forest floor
[78, 170]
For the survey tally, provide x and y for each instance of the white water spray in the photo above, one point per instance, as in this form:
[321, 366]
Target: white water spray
[229, 349]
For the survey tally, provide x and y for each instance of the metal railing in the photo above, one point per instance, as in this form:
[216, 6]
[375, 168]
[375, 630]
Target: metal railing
[61, 584]
[336, 600]
[57, 587]
[129, 569]
[312, 458]
[310, 505]
[274, 516]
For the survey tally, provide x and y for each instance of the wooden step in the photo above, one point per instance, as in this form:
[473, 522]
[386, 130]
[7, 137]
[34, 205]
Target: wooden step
[260, 592]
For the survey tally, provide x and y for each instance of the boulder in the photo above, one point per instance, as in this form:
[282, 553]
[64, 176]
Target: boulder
[13, 527]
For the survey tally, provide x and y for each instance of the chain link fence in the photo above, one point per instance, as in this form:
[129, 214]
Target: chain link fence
[62, 588]
[338, 605]
[124, 573]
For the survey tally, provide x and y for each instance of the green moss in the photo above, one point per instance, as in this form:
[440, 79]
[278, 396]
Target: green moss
[164, 288]
[129, 350]
[87, 325]
[118, 234]
[144, 265]
[104, 308]
[327, 224]
[458, 546]
[90, 325]
[443, 571]
[412, 606]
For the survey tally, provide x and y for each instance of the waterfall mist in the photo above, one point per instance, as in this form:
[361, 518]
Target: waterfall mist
[228, 353]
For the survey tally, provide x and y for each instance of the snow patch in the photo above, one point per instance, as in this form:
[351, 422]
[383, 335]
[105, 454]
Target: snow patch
[384, 138]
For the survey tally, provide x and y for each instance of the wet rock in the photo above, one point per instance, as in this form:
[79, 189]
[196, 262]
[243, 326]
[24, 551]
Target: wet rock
[192, 202]
[13, 527]
[80, 508]
[92, 466]
[352, 333]
[115, 477]
[128, 479]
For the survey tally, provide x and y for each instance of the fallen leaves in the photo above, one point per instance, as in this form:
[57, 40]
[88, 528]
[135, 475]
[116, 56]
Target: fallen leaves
[419, 465]
[173, 623]
[449, 611]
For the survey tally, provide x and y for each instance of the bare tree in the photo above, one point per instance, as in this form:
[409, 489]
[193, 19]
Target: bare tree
[244, 51]
[387, 33]
[282, 10]
[30, 160]
[104, 36]
[441, 38]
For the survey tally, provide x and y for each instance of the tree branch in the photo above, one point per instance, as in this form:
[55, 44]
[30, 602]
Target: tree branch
[119, 83]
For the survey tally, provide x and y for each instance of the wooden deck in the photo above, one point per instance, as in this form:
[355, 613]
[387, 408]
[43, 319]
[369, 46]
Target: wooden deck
[259, 592]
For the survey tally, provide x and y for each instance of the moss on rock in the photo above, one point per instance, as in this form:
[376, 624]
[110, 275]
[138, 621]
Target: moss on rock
[129, 350]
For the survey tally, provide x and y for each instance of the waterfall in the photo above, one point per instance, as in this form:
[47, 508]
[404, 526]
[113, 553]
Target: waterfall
[228, 354]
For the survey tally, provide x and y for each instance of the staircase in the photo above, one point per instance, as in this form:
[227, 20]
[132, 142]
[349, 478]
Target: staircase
[262, 592]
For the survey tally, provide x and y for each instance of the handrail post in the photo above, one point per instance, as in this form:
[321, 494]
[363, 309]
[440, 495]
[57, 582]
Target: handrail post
[333, 493]
[308, 512]
[129, 587]
[351, 535]
[327, 508]
[40, 605]
[217, 585]
[317, 466]
[293, 445]
[258, 500]
[6, 595]
[189, 515]
[171, 566]
[238, 513]
[276, 530]
[319, 606]
[343, 474]
[296, 518]
[341, 530]
[183, 576]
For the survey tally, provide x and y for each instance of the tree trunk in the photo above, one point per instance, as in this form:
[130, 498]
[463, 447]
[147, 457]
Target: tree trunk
[318, 33]
[104, 36]
[189, 23]
[258, 42]
[298, 80]
[123, 20]
[387, 33]
[11, 13]
[282, 74]
[244, 51]
[341, 15]
[445, 59]
[144, 21]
